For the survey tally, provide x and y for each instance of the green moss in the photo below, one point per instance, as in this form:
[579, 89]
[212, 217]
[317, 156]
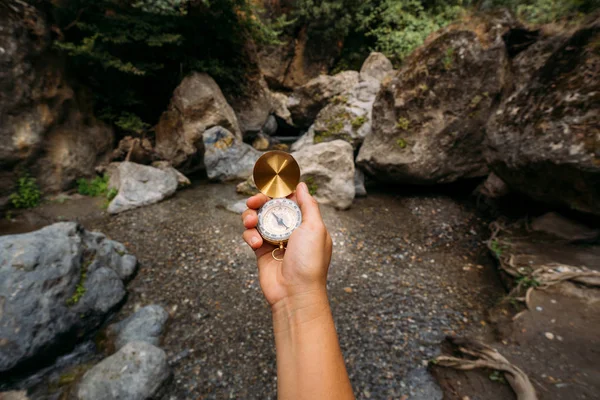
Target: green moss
[403, 123]
[28, 194]
[401, 143]
[340, 99]
[448, 58]
[80, 287]
[358, 122]
[312, 186]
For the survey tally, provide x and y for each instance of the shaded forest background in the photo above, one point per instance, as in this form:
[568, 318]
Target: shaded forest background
[132, 54]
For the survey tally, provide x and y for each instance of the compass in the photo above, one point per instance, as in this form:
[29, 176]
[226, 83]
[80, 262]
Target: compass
[276, 175]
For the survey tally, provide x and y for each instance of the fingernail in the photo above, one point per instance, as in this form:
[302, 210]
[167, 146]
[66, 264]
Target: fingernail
[303, 187]
[254, 240]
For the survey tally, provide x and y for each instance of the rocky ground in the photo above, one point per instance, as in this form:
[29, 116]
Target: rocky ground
[408, 268]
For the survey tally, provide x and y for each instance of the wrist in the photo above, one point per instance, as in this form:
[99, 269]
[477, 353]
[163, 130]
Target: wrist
[300, 309]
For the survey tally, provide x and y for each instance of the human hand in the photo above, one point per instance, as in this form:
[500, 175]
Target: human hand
[302, 275]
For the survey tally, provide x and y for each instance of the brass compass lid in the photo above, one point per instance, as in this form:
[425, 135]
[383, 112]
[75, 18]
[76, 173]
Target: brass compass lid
[276, 174]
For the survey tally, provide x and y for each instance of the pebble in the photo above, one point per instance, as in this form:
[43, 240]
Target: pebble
[549, 335]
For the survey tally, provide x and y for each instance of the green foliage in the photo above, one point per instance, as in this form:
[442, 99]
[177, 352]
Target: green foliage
[133, 54]
[312, 186]
[401, 143]
[497, 248]
[545, 11]
[28, 194]
[95, 187]
[497, 376]
[403, 123]
[129, 122]
[527, 281]
[358, 122]
[80, 287]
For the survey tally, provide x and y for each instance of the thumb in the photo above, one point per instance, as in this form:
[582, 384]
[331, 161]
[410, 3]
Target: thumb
[308, 205]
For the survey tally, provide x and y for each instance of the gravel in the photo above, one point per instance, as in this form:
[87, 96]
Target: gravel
[408, 268]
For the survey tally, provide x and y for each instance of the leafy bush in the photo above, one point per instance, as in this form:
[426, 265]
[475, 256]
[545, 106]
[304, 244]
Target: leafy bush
[28, 194]
[133, 54]
[95, 187]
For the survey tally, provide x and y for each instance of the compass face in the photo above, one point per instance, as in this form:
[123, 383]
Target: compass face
[277, 219]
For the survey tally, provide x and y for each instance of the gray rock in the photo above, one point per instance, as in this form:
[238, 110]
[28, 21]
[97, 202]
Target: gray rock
[226, 157]
[307, 100]
[428, 120]
[138, 371]
[543, 141]
[493, 187]
[57, 284]
[197, 105]
[146, 325]
[247, 187]
[140, 185]
[376, 66]
[237, 207]
[359, 183]
[348, 116]
[308, 139]
[182, 180]
[328, 169]
[270, 126]
[254, 106]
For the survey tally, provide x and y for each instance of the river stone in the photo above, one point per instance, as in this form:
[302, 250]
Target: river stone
[57, 284]
[136, 372]
[348, 116]
[328, 169]
[280, 107]
[197, 105]
[428, 121]
[140, 185]
[307, 100]
[146, 325]
[253, 106]
[247, 187]
[376, 66]
[227, 157]
[544, 140]
[270, 126]
[308, 139]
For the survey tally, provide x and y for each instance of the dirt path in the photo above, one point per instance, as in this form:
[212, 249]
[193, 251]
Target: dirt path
[407, 270]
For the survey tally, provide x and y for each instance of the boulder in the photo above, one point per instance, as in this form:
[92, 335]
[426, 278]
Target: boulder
[376, 66]
[308, 139]
[261, 142]
[227, 157]
[328, 170]
[57, 284]
[146, 325]
[182, 180]
[253, 107]
[197, 105]
[307, 100]
[544, 141]
[137, 150]
[348, 116]
[280, 108]
[428, 120]
[493, 187]
[248, 187]
[45, 127]
[136, 372]
[270, 126]
[572, 231]
[140, 185]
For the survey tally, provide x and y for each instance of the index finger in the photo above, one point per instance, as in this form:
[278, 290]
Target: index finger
[257, 201]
